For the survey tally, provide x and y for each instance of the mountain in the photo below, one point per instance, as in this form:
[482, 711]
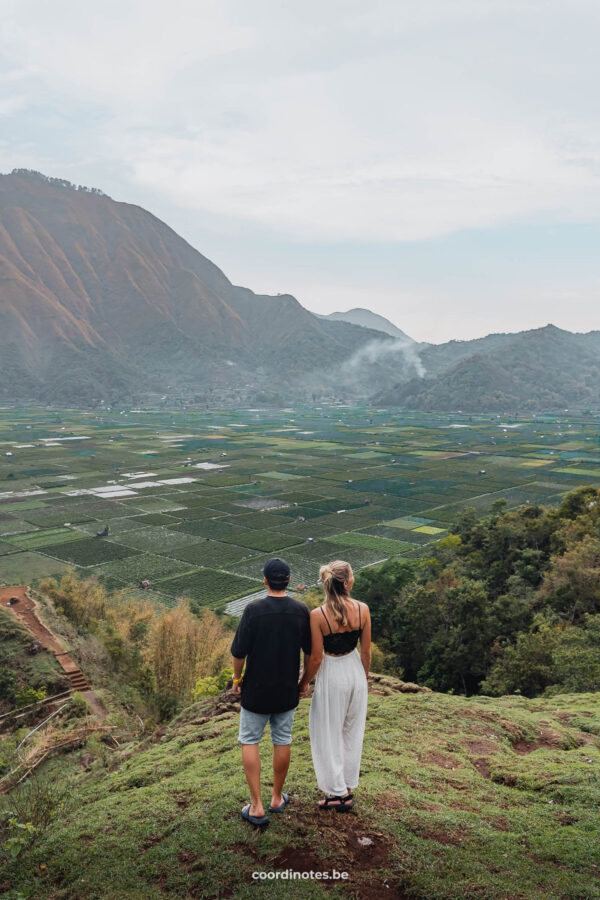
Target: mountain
[101, 300]
[367, 319]
[541, 369]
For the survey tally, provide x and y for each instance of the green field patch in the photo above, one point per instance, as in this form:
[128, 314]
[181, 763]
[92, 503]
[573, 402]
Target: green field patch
[573, 470]
[12, 525]
[52, 516]
[213, 554]
[280, 476]
[134, 569]
[22, 504]
[403, 523]
[534, 463]
[154, 503]
[266, 540]
[6, 548]
[26, 566]
[436, 454]
[155, 539]
[369, 542]
[209, 586]
[44, 537]
[368, 454]
[408, 537]
[90, 551]
[428, 529]
[154, 519]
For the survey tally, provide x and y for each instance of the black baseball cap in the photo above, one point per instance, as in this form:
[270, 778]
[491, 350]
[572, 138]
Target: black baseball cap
[276, 571]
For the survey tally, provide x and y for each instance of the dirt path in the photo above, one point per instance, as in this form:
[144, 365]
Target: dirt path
[25, 611]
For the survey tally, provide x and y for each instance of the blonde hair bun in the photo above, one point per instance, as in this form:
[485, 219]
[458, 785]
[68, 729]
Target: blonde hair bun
[334, 576]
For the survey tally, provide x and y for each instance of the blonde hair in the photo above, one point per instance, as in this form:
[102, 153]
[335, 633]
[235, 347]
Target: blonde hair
[333, 575]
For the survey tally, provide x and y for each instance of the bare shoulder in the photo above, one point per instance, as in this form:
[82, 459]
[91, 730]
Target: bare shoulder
[363, 606]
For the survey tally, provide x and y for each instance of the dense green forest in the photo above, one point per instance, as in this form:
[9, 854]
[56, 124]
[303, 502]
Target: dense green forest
[507, 604]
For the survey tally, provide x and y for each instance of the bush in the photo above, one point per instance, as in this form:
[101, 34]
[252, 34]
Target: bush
[211, 685]
[35, 802]
[29, 695]
[8, 684]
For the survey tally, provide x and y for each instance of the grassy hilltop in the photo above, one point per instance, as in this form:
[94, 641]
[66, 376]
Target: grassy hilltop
[459, 798]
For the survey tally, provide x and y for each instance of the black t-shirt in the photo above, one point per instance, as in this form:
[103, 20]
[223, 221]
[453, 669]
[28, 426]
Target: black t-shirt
[270, 635]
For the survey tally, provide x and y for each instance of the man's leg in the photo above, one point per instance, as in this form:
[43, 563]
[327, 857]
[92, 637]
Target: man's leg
[281, 764]
[281, 735]
[251, 763]
[251, 729]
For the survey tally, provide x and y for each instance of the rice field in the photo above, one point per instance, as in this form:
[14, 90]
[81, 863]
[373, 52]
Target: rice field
[195, 502]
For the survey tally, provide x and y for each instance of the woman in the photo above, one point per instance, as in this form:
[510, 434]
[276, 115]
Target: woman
[339, 704]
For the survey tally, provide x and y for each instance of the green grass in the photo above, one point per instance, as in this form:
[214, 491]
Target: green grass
[454, 802]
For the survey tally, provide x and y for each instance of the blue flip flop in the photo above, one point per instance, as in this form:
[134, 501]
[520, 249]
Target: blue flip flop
[259, 821]
[286, 800]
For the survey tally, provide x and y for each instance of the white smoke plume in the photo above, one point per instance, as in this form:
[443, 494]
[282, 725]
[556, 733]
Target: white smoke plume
[377, 351]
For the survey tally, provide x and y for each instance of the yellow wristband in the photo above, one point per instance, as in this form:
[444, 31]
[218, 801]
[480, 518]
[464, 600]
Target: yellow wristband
[237, 680]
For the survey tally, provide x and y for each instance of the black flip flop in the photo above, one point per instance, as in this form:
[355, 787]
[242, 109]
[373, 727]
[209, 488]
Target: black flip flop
[258, 821]
[282, 806]
[345, 804]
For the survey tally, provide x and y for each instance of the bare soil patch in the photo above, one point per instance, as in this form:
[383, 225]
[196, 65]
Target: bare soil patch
[482, 765]
[435, 758]
[548, 738]
[481, 746]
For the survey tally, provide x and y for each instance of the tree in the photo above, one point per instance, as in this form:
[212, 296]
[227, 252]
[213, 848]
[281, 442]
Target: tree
[457, 655]
[380, 588]
[526, 667]
[571, 586]
[182, 648]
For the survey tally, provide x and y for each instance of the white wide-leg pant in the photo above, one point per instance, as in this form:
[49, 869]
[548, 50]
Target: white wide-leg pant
[336, 722]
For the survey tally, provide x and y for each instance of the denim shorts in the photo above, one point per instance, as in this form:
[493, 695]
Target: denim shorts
[252, 725]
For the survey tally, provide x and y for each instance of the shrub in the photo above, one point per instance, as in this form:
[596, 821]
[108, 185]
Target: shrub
[29, 695]
[211, 685]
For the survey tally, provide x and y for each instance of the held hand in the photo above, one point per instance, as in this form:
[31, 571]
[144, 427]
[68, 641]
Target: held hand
[237, 689]
[303, 687]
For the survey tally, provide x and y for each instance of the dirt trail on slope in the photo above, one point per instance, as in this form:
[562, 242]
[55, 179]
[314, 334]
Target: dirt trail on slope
[25, 612]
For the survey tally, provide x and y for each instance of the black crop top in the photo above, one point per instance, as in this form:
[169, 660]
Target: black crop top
[340, 642]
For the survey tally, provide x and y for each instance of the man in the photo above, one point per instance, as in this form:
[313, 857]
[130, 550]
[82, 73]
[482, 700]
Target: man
[269, 637]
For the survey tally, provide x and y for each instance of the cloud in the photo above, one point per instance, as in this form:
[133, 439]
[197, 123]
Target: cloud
[329, 122]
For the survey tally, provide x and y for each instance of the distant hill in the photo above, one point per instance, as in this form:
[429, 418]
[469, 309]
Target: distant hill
[542, 369]
[102, 300]
[367, 319]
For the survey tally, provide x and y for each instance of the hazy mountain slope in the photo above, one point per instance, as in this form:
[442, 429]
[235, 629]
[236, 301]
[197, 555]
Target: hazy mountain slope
[367, 319]
[546, 368]
[99, 297]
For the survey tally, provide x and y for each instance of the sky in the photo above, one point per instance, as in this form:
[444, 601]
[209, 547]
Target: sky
[435, 161]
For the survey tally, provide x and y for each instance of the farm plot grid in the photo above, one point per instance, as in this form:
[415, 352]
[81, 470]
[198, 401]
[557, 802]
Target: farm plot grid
[193, 503]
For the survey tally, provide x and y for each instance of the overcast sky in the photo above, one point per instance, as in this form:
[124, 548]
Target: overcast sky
[435, 161]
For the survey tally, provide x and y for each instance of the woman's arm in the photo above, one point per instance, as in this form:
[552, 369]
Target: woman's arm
[311, 666]
[365, 639]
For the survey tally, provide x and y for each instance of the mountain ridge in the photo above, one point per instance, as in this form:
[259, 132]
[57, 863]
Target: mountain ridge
[87, 279]
[101, 301]
[366, 318]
